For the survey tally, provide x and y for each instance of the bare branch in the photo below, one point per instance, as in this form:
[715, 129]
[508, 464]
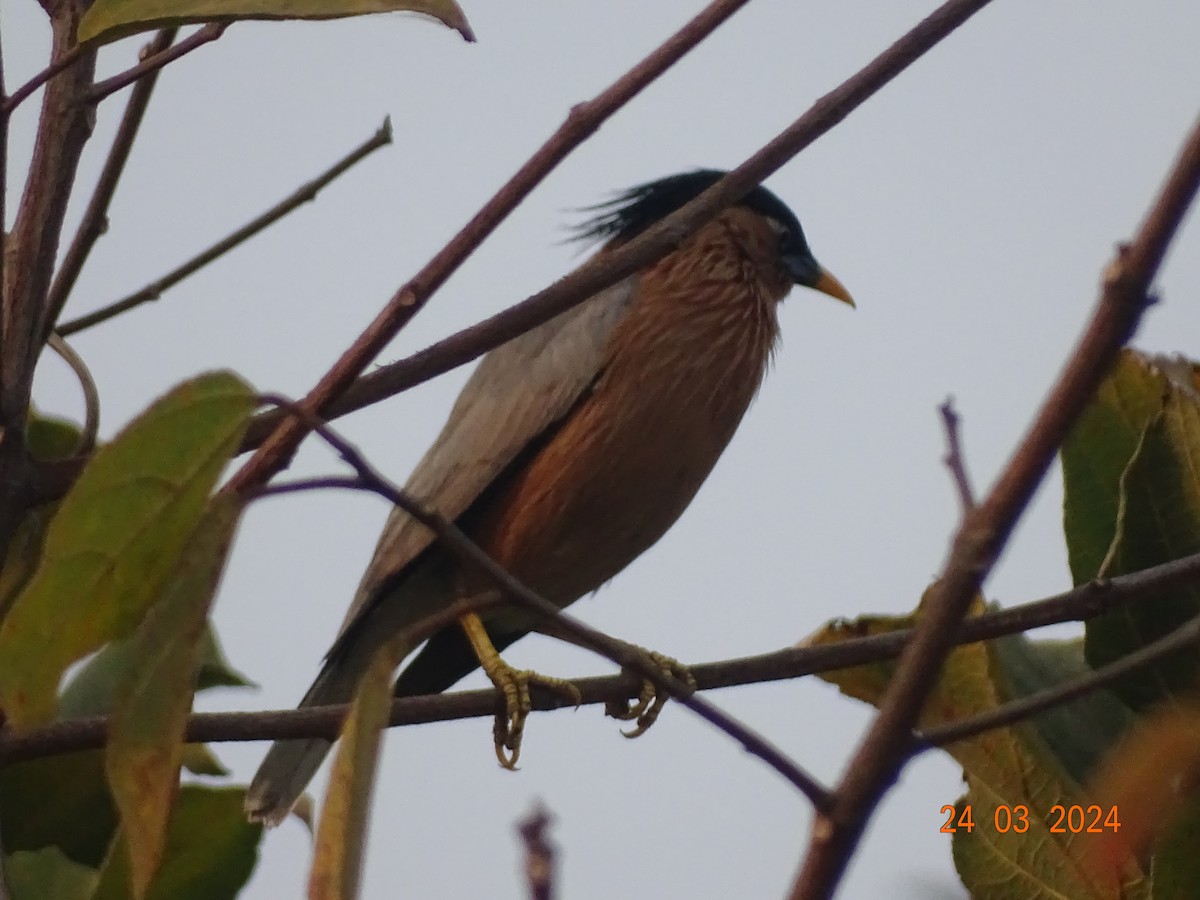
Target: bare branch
[95, 217]
[582, 121]
[1086, 601]
[954, 458]
[61, 64]
[205, 35]
[63, 129]
[985, 530]
[303, 194]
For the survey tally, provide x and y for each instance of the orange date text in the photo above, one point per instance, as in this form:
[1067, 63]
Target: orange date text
[1074, 819]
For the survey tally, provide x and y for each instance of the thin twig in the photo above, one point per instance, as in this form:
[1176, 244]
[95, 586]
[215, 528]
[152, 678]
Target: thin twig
[59, 65]
[1183, 637]
[95, 217]
[539, 853]
[305, 193]
[205, 35]
[985, 530]
[1084, 602]
[582, 121]
[91, 394]
[623, 654]
[954, 459]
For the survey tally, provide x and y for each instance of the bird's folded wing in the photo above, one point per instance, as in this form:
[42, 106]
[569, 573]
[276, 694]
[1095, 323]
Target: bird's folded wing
[518, 390]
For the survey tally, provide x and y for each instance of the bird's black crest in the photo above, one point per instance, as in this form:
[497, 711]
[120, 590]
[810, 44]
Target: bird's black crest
[634, 210]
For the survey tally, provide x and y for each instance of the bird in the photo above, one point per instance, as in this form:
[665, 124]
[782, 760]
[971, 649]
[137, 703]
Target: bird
[569, 452]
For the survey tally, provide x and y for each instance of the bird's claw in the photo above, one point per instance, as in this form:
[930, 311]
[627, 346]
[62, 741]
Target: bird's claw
[513, 686]
[645, 710]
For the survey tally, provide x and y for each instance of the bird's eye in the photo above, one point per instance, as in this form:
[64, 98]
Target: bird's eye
[781, 232]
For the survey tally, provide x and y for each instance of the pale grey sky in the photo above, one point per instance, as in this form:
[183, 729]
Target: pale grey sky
[969, 207]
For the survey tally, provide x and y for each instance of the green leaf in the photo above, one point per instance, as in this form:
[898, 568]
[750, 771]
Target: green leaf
[47, 875]
[1005, 769]
[215, 669]
[1095, 456]
[91, 691]
[81, 818]
[117, 536]
[210, 850]
[49, 438]
[1133, 501]
[1176, 864]
[1078, 733]
[108, 20]
[24, 554]
[145, 744]
[199, 759]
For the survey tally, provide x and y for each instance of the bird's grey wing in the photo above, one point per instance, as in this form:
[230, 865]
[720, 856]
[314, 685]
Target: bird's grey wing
[516, 392]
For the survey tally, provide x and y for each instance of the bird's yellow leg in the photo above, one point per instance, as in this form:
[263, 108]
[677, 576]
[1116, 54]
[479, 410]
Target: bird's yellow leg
[513, 685]
[650, 701]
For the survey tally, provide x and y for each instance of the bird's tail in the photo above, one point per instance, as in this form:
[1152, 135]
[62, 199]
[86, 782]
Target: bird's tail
[290, 765]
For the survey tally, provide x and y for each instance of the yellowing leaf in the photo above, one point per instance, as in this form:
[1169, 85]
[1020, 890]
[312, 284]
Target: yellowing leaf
[108, 20]
[145, 746]
[1014, 781]
[116, 537]
[91, 691]
[342, 830]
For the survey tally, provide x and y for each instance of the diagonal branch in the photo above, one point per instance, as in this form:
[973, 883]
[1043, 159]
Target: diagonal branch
[305, 193]
[582, 121]
[205, 35]
[95, 217]
[61, 64]
[985, 530]
[599, 272]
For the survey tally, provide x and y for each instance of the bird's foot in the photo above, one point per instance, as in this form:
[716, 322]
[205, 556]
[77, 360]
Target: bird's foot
[513, 687]
[651, 699]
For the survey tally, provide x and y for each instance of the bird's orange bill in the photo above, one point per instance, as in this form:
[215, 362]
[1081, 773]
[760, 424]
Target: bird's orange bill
[827, 284]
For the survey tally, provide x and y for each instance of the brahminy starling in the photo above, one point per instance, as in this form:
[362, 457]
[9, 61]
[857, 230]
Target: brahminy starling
[570, 451]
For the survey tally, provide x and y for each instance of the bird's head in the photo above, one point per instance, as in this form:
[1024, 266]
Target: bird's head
[634, 210]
